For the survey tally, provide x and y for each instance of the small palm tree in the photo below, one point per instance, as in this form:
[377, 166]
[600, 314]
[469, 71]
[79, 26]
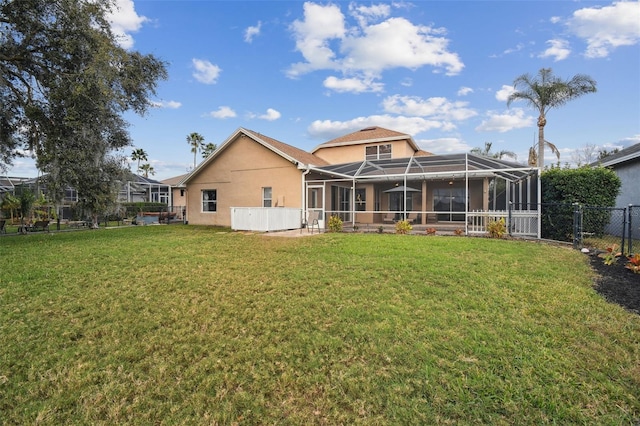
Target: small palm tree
[139, 155]
[147, 169]
[208, 149]
[486, 151]
[196, 140]
[546, 91]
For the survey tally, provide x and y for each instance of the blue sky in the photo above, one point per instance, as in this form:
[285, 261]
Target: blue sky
[306, 72]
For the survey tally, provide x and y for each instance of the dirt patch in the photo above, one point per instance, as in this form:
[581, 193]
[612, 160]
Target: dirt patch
[616, 283]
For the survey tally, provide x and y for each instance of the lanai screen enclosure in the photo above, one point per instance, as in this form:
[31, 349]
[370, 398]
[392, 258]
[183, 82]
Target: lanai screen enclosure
[459, 190]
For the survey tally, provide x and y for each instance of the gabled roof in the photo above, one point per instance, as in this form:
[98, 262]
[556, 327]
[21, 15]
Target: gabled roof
[368, 135]
[290, 153]
[628, 154]
[173, 181]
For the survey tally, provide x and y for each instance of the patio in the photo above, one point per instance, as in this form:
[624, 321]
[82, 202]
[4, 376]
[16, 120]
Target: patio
[446, 192]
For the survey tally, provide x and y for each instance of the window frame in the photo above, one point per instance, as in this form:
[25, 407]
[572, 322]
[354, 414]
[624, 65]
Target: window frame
[267, 199]
[382, 152]
[213, 202]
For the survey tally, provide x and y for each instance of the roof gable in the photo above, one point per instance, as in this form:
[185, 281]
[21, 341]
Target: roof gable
[628, 154]
[368, 135]
[288, 152]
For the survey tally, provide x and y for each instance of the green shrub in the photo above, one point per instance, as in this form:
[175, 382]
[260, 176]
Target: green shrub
[403, 227]
[335, 224]
[497, 228]
[593, 186]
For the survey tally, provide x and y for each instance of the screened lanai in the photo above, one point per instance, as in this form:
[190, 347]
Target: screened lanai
[457, 191]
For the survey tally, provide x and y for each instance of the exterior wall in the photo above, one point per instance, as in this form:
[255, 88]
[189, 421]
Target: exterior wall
[351, 153]
[629, 174]
[179, 197]
[238, 174]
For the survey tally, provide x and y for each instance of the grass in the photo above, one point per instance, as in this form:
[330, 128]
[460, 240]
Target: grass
[184, 325]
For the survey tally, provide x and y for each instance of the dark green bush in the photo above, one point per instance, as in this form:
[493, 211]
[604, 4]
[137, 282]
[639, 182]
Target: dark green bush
[596, 186]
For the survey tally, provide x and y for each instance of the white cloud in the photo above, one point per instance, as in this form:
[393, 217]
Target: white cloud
[406, 82]
[205, 72]
[395, 43]
[511, 50]
[464, 91]
[271, 115]
[365, 14]
[166, 104]
[437, 107]
[251, 32]
[443, 145]
[321, 24]
[503, 94]
[327, 43]
[607, 28]
[512, 119]
[223, 112]
[124, 20]
[558, 49]
[327, 129]
[353, 85]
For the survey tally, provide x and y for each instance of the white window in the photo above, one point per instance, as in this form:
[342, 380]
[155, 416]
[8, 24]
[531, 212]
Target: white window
[209, 200]
[266, 196]
[378, 152]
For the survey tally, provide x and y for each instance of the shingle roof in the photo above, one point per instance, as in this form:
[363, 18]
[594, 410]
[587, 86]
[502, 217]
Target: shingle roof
[367, 135]
[291, 151]
[628, 154]
[172, 181]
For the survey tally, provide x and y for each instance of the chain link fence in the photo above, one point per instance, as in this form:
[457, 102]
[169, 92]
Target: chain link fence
[593, 227]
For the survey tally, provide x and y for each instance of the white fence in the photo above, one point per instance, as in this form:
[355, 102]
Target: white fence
[521, 223]
[265, 219]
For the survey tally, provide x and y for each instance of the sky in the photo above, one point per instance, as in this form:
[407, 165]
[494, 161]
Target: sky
[306, 72]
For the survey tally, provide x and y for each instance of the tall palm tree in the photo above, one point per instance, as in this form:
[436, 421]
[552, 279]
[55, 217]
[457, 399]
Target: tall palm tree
[486, 151]
[546, 91]
[196, 140]
[146, 169]
[208, 149]
[139, 155]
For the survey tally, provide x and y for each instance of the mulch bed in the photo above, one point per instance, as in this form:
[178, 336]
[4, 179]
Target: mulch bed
[616, 283]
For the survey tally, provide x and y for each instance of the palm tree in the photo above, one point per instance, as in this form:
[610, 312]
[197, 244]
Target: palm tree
[208, 149]
[486, 151]
[147, 168]
[139, 155]
[196, 140]
[546, 91]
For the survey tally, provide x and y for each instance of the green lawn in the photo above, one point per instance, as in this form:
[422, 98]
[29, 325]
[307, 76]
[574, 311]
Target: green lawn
[191, 325]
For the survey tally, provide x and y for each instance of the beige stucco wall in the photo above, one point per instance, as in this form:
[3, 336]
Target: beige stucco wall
[346, 154]
[238, 174]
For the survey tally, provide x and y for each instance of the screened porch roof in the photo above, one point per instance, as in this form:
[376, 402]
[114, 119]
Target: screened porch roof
[428, 167]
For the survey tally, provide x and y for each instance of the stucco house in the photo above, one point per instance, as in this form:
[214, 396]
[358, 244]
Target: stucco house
[370, 177]
[626, 164]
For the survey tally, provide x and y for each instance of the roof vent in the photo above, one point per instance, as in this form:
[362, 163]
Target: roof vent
[367, 129]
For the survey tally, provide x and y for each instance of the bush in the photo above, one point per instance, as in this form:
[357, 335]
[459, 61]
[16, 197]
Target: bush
[497, 228]
[597, 186]
[403, 227]
[335, 224]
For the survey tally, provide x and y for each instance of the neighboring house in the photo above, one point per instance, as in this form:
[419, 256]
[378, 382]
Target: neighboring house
[178, 195]
[142, 189]
[372, 176]
[626, 164]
